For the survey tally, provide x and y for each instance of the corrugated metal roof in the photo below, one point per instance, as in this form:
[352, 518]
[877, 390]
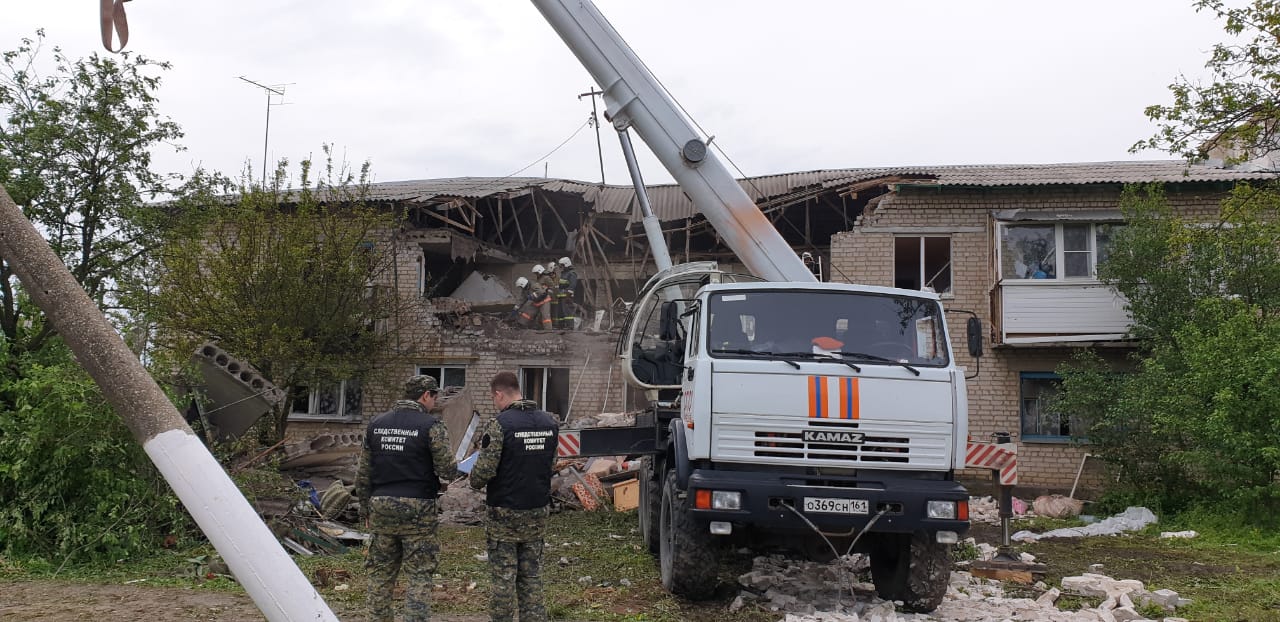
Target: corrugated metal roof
[670, 203]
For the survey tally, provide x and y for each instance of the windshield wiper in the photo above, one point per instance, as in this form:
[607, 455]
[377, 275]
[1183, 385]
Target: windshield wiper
[755, 353]
[820, 358]
[879, 359]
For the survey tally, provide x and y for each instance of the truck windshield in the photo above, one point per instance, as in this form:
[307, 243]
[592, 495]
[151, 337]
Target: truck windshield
[861, 327]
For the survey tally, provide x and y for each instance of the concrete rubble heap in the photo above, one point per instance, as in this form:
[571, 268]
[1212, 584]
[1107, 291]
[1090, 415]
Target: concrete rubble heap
[331, 455]
[840, 591]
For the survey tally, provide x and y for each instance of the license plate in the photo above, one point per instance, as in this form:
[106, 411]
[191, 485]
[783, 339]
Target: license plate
[835, 506]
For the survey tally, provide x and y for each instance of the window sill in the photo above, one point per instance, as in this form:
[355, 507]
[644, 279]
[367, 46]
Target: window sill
[1048, 440]
[323, 418]
[1046, 282]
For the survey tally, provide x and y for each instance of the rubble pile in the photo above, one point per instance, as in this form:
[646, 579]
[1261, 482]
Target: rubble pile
[604, 420]
[326, 455]
[589, 484]
[841, 592]
[461, 505]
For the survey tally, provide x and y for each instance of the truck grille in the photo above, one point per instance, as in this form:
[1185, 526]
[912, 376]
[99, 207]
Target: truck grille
[884, 445]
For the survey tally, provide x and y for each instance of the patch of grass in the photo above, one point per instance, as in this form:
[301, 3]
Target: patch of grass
[1224, 580]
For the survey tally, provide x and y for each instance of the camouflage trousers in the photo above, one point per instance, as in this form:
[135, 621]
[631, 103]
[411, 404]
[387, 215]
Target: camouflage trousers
[404, 538]
[517, 580]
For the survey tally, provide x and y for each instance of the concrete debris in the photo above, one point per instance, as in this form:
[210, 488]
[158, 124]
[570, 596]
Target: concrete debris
[484, 292]
[987, 509]
[1132, 519]
[237, 394]
[604, 420]
[1190, 533]
[326, 450]
[461, 505]
[840, 591]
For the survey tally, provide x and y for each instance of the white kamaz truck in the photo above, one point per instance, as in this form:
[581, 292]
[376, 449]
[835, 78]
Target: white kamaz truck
[822, 417]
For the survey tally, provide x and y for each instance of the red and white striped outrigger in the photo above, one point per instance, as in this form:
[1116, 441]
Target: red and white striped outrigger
[1002, 457]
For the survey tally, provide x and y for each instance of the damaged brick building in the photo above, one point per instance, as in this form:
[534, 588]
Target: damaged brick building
[1016, 245]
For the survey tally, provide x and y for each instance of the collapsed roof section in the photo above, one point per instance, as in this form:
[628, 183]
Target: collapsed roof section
[524, 217]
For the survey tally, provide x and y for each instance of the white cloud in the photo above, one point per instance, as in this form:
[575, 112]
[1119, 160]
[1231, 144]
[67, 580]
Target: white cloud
[429, 88]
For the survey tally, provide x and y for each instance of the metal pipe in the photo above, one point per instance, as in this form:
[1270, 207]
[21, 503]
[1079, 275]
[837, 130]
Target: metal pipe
[256, 559]
[652, 228]
[1080, 470]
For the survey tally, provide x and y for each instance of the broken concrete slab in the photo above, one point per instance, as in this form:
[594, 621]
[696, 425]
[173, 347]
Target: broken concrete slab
[237, 395]
[484, 292]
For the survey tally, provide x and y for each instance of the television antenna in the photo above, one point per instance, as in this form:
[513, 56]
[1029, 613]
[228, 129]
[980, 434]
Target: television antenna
[275, 89]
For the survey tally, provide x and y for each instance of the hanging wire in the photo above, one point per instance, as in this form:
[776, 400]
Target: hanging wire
[493, 182]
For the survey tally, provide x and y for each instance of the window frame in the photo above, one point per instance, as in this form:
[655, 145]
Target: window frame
[1042, 438]
[421, 370]
[1059, 252]
[313, 405]
[951, 271]
[545, 372]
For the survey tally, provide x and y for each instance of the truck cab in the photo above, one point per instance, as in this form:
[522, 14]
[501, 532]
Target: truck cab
[822, 417]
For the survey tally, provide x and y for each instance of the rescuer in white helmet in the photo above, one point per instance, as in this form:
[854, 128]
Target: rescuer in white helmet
[566, 289]
[541, 294]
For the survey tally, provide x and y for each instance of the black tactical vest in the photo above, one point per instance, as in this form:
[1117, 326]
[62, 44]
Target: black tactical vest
[529, 440]
[400, 453]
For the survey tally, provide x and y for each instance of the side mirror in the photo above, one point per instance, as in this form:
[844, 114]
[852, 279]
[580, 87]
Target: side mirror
[973, 329]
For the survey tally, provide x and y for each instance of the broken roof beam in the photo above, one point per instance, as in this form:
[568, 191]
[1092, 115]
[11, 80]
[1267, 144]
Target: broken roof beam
[422, 209]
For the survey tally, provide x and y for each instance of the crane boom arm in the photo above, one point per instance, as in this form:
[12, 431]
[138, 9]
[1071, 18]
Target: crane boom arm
[634, 98]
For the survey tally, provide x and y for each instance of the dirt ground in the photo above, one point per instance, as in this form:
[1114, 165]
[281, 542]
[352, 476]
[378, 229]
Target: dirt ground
[57, 601]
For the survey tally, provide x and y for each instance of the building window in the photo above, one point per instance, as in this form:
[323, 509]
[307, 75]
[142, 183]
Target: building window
[922, 262]
[445, 376]
[340, 401]
[548, 386]
[1054, 251]
[1039, 422]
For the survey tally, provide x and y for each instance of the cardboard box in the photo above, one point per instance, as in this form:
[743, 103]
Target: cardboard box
[626, 495]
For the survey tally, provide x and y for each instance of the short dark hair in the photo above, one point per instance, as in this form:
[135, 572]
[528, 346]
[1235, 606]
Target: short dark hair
[505, 382]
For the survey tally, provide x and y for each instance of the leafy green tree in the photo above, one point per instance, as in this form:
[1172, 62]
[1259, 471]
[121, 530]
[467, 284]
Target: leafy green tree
[295, 282]
[1237, 108]
[75, 151]
[1194, 418]
[75, 155]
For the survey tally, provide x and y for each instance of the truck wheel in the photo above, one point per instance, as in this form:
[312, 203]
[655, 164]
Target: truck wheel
[686, 554]
[914, 569]
[650, 505]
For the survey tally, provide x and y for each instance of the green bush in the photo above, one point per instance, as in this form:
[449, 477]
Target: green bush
[74, 484]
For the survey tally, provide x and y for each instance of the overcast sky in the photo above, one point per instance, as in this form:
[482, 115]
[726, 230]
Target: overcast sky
[434, 88]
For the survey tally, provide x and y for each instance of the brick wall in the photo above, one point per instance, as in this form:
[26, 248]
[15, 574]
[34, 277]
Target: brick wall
[865, 255]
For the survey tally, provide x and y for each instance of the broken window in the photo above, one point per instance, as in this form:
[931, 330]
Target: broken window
[548, 386]
[339, 401]
[445, 376]
[1039, 420]
[923, 263]
[1037, 251]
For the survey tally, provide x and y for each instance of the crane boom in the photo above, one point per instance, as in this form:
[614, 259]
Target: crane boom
[634, 98]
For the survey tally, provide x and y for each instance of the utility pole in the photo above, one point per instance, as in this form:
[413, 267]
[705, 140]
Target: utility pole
[266, 133]
[595, 121]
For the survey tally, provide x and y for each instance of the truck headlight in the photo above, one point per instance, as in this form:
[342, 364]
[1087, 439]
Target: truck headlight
[941, 509]
[726, 500]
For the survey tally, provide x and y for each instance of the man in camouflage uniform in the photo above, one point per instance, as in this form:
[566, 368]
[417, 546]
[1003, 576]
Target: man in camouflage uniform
[517, 454]
[405, 456]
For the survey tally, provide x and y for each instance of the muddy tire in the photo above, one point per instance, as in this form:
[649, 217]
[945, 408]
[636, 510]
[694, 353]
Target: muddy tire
[686, 553]
[650, 506]
[913, 569]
